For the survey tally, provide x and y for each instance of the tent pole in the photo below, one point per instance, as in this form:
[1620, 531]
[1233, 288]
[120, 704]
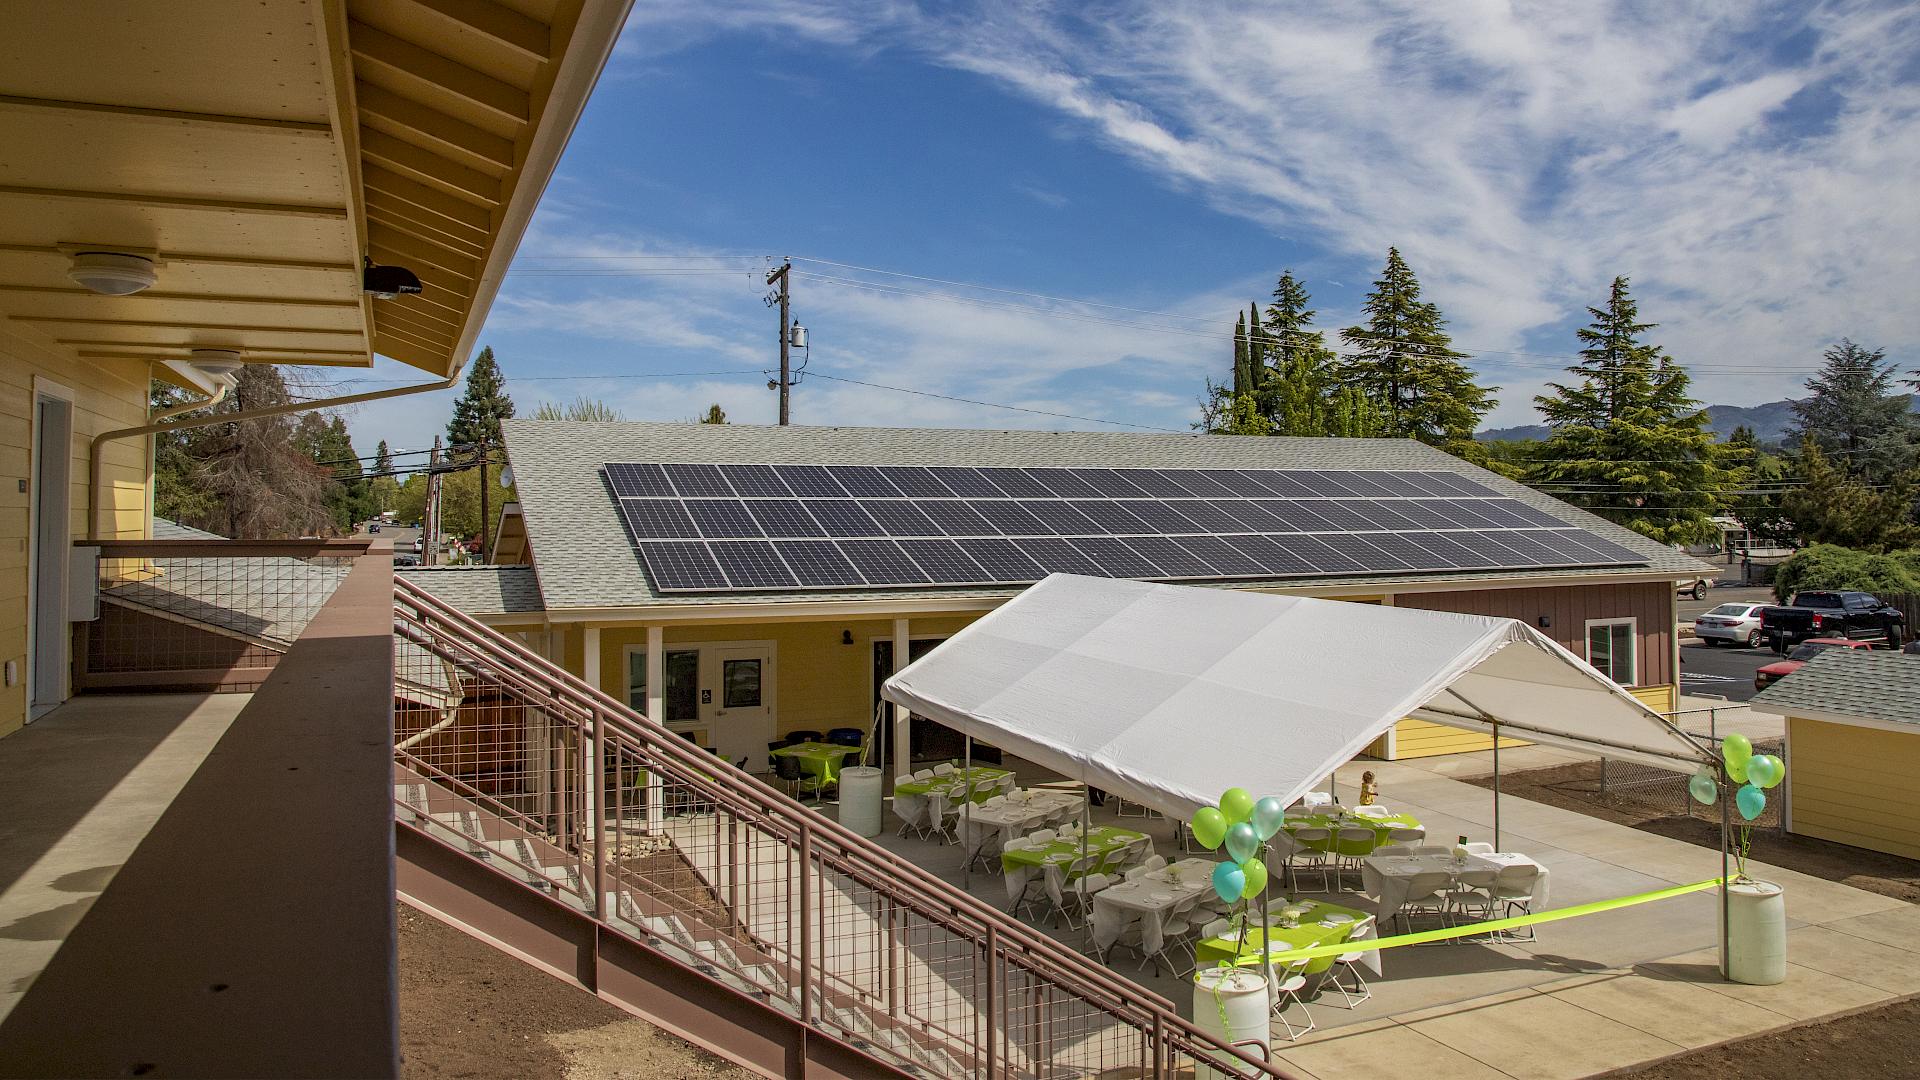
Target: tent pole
[966, 817]
[1496, 785]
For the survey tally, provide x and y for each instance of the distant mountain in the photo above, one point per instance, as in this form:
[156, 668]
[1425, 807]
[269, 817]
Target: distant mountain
[1770, 422]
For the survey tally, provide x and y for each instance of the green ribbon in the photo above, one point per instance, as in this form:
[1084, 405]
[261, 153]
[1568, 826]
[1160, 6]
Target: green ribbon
[1313, 952]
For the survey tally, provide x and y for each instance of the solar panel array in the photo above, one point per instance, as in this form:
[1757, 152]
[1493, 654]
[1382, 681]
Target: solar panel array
[733, 528]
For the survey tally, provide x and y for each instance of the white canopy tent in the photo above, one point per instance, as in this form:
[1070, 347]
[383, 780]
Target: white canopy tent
[1166, 694]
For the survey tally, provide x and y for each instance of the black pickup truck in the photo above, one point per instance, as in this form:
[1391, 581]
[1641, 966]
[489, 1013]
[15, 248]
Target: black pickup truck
[1832, 615]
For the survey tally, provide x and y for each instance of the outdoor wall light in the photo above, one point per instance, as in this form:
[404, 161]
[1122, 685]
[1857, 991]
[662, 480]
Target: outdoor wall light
[1545, 621]
[846, 637]
[112, 273]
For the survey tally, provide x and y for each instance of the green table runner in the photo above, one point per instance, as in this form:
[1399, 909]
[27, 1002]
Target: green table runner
[1214, 951]
[949, 782]
[1100, 842]
[821, 759]
[1380, 826]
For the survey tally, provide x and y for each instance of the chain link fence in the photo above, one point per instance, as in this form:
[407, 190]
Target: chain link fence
[1663, 790]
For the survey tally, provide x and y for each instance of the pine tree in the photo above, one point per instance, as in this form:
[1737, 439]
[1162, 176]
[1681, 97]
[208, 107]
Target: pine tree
[382, 460]
[1757, 510]
[481, 407]
[1242, 358]
[1305, 378]
[1855, 415]
[1404, 361]
[1829, 507]
[581, 408]
[714, 415]
[1628, 442]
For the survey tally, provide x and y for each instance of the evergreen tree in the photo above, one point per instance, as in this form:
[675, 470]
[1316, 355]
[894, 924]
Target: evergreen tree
[715, 415]
[1305, 377]
[481, 407]
[1403, 360]
[382, 489]
[1829, 507]
[1242, 358]
[382, 460]
[1628, 442]
[580, 408]
[1758, 509]
[1854, 414]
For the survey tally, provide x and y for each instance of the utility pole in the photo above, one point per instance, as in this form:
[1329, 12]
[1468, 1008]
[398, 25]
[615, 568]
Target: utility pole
[485, 540]
[430, 521]
[786, 380]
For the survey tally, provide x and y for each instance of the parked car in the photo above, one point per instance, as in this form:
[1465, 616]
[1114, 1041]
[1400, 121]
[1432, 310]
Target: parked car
[406, 560]
[1697, 588]
[1735, 624]
[419, 545]
[1826, 614]
[1802, 653]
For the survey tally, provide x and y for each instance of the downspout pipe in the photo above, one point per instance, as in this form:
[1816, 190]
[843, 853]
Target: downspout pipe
[98, 450]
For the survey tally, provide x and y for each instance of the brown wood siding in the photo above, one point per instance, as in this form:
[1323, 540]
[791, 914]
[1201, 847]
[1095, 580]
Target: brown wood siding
[125, 649]
[1572, 607]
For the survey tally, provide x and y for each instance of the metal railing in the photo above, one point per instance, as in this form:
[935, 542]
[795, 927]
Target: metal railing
[502, 754]
[207, 615]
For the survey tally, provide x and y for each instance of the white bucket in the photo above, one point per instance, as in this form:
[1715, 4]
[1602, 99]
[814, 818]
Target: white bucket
[1231, 1005]
[860, 799]
[1756, 933]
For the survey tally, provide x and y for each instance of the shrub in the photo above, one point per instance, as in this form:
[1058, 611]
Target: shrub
[1827, 566]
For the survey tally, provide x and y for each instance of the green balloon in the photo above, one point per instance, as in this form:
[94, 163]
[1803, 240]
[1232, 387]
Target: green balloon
[1765, 771]
[1256, 875]
[1737, 770]
[1209, 827]
[1702, 788]
[1236, 804]
[1735, 749]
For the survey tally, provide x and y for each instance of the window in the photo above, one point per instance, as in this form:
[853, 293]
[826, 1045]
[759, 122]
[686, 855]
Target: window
[1610, 648]
[682, 684]
[740, 683]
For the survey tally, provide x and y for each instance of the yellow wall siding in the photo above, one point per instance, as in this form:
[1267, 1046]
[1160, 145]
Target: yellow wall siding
[1423, 738]
[819, 683]
[107, 394]
[1855, 785]
[1660, 699]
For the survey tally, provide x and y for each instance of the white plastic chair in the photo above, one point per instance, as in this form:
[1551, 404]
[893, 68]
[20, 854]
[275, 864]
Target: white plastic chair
[1512, 892]
[993, 802]
[1176, 932]
[1315, 799]
[923, 774]
[1348, 963]
[1471, 895]
[945, 768]
[1426, 895]
[1310, 854]
[1373, 810]
[1393, 849]
[1286, 989]
[1155, 862]
[1040, 837]
[1407, 835]
[914, 820]
[1479, 847]
[1135, 874]
[1352, 846]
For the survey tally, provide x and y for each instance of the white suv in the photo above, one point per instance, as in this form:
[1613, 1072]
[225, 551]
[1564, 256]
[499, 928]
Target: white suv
[1737, 624]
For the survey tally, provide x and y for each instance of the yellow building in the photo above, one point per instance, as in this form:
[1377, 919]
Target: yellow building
[1852, 749]
[735, 666]
[194, 186]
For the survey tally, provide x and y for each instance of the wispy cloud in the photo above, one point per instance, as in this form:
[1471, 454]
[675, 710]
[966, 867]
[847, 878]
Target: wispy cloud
[1520, 157]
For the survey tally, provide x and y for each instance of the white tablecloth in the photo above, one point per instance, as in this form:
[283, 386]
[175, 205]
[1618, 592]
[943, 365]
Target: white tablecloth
[1387, 877]
[1149, 901]
[1013, 819]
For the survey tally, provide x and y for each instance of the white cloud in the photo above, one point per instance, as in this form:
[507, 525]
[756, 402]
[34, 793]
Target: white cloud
[1519, 156]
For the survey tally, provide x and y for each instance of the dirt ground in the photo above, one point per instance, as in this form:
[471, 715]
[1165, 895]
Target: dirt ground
[469, 1010]
[1881, 1042]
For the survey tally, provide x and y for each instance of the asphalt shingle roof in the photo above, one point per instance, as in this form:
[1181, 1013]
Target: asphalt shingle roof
[1851, 682]
[479, 590]
[584, 558]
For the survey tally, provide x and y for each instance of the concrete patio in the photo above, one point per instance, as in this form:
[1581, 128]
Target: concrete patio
[1609, 990]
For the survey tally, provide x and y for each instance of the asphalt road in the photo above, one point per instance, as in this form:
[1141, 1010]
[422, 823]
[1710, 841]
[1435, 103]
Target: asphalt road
[1721, 670]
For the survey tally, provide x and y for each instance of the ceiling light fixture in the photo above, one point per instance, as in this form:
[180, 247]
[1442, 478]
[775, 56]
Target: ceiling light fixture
[387, 282]
[217, 364]
[112, 273]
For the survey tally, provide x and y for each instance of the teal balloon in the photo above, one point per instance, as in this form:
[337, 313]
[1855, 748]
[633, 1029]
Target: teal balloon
[1703, 789]
[1765, 771]
[1242, 842]
[1735, 749]
[1236, 804]
[1751, 801]
[1268, 815]
[1209, 827]
[1228, 882]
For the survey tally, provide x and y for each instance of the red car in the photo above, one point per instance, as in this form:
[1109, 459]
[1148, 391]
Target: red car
[1802, 653]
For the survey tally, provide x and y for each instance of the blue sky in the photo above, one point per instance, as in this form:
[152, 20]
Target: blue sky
[1152, 166]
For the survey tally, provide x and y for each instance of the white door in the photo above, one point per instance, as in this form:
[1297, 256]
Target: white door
[52, 550]
[736, 701]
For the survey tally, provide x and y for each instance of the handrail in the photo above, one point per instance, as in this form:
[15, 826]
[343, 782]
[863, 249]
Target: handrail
[745, 794]
[234, 549]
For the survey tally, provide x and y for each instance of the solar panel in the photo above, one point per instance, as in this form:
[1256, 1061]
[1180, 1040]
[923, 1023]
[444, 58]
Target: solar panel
[682, 566]
[642, 480]
[745, 526]
[819, 563]
[752, 564]
[693, 481]
[721, 518]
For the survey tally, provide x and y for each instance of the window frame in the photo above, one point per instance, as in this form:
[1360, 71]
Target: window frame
[1632, 625]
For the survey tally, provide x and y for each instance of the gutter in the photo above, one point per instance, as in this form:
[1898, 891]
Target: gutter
[97, 451]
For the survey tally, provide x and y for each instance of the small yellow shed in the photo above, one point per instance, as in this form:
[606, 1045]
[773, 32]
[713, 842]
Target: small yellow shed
[1853, 748]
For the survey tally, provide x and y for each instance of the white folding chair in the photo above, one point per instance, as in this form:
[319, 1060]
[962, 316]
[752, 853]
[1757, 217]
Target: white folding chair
[923, 774]
[1407, 836]
[1177, 933]
[1372, 810]
[1393, 849]
[911, 820]
[1348, 964]
[1311, 850]
[1041, 836]
[1471, 895]
[945, 768]
[1512, 892]
[1155, 862]
[1286, 991]
[1351, 846]
[1479, 847]
[1315, 799]
[1135, 874]
[1426, 895]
